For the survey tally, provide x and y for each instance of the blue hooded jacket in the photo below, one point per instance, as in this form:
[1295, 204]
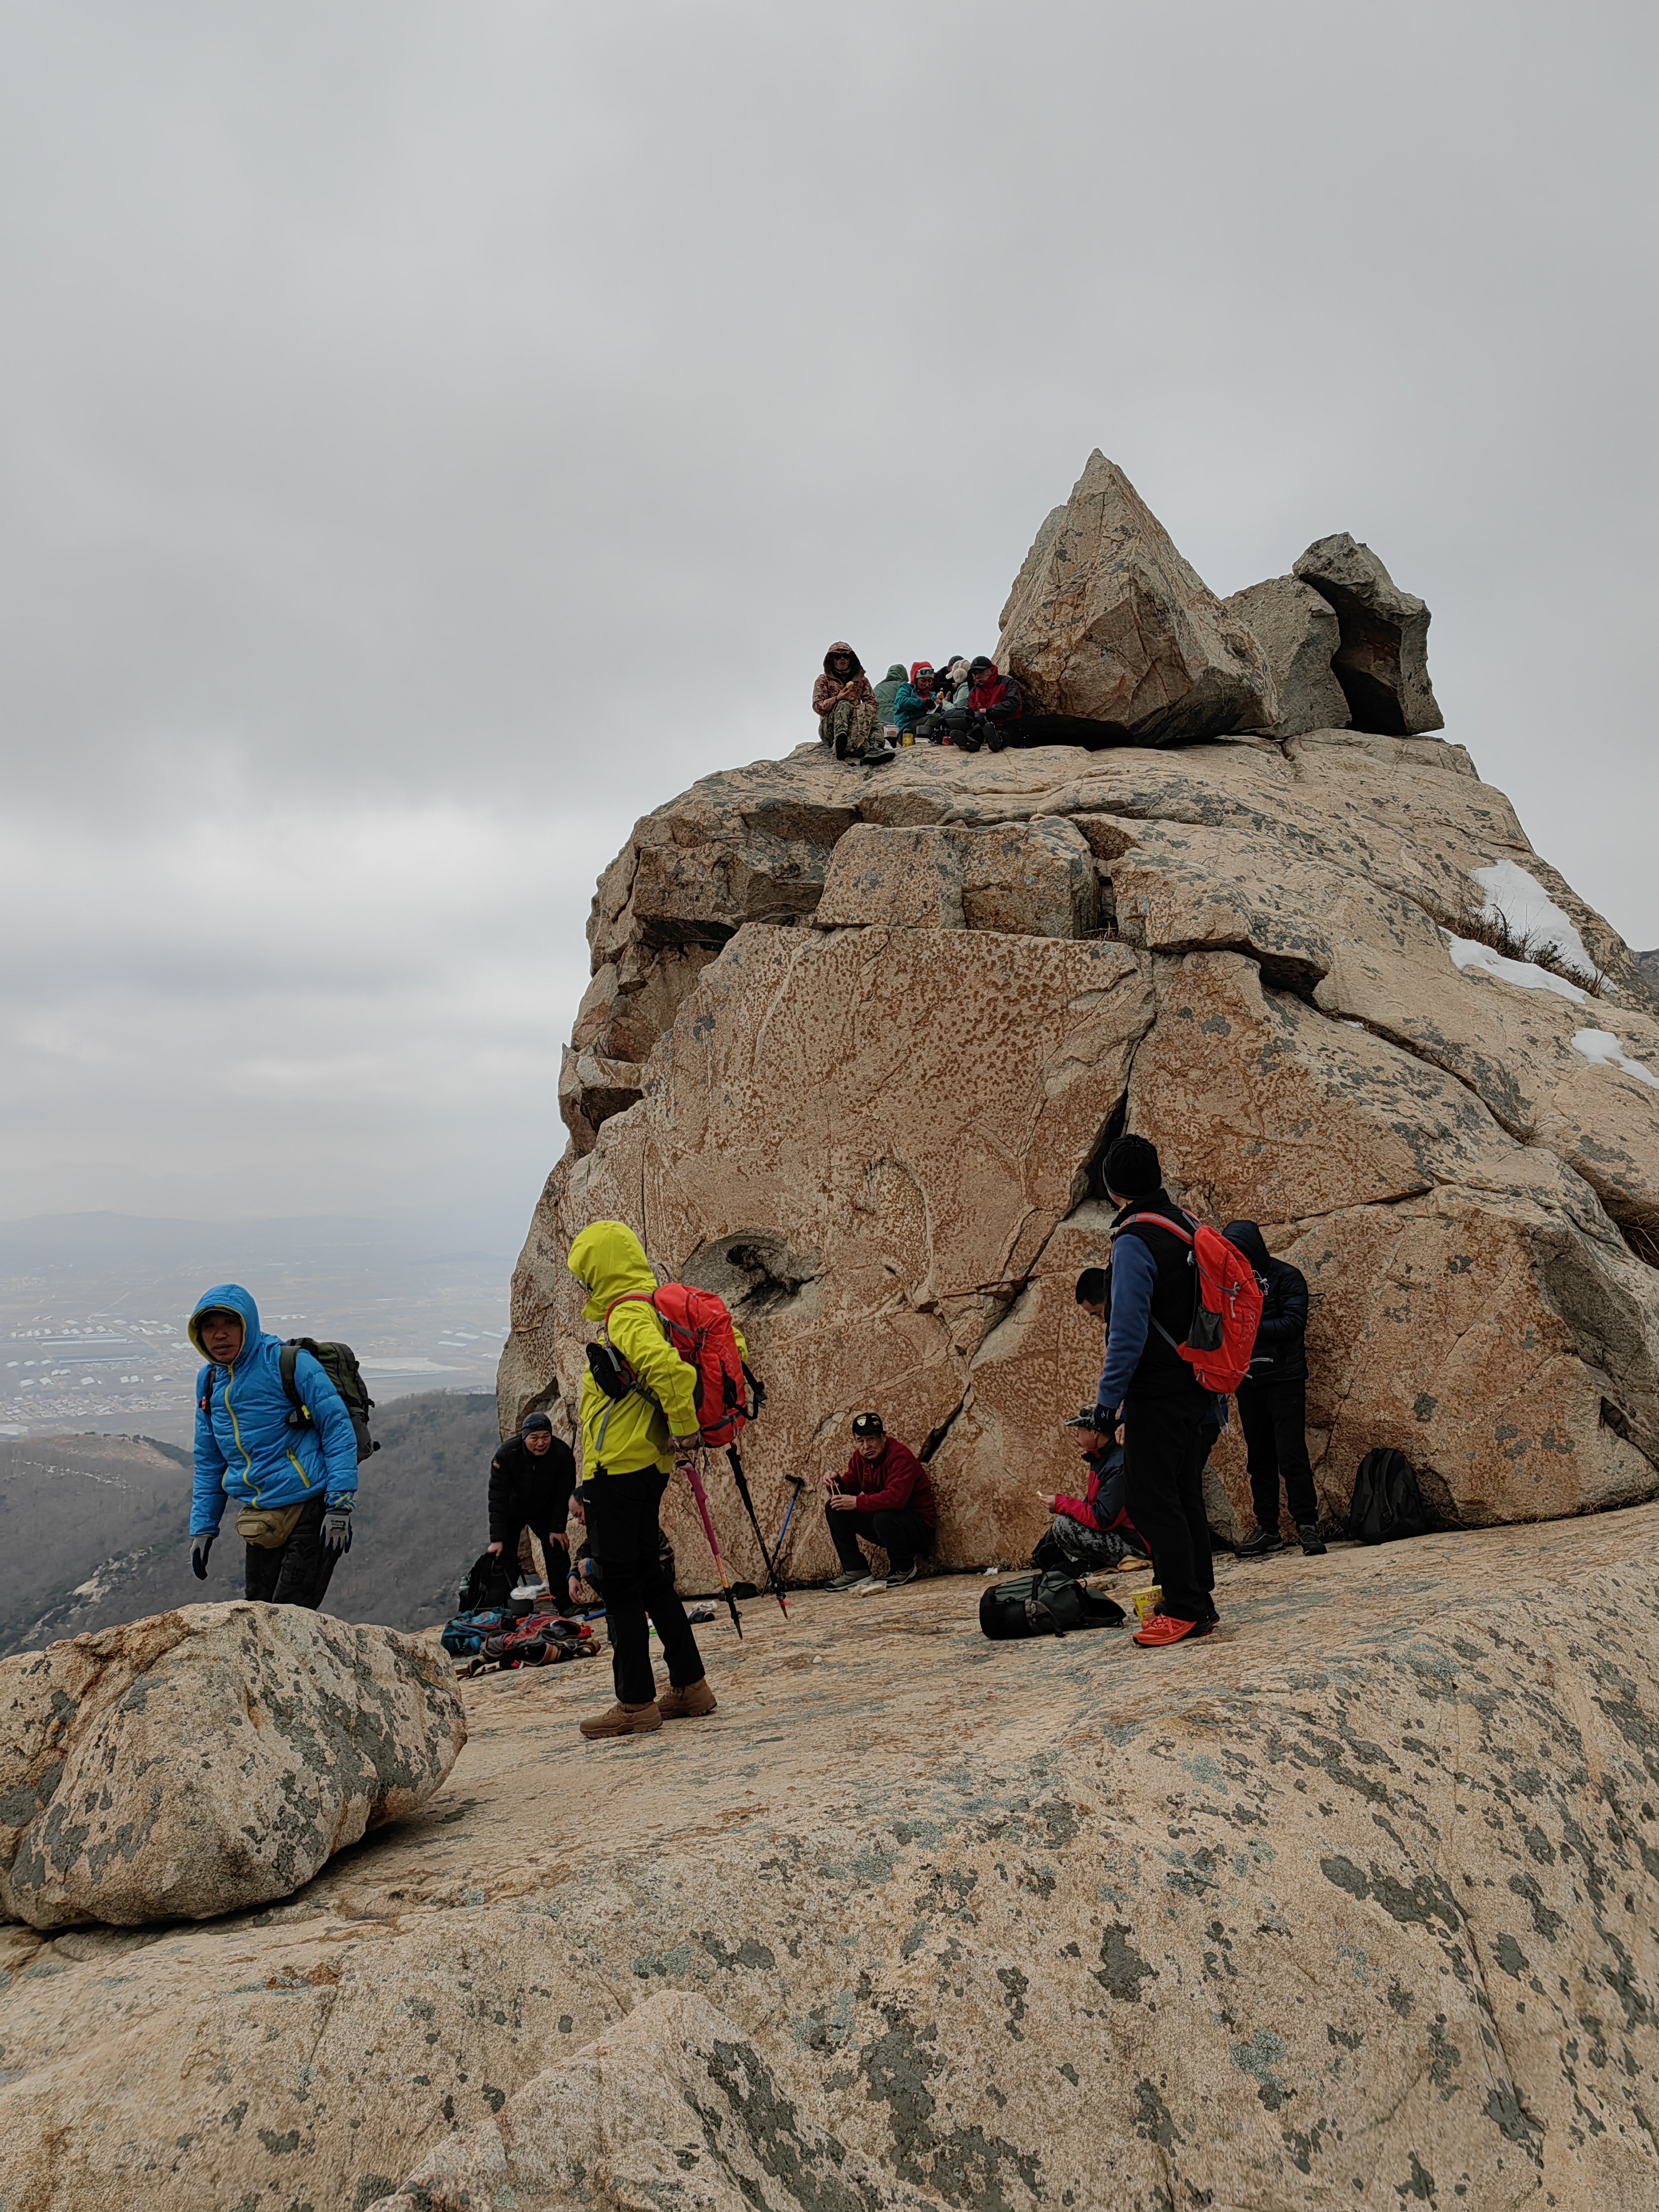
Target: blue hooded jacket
[245, 1447]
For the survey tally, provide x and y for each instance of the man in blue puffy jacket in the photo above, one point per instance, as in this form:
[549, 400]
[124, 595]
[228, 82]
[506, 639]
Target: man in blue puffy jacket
[294, 1475]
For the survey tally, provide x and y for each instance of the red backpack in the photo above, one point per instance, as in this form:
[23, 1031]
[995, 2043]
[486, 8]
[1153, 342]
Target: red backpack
[1226, 1305]
[700, 1329]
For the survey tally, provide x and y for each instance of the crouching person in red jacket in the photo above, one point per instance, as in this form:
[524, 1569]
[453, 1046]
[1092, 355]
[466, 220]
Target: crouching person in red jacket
[1090, 1533]
[885, 1497]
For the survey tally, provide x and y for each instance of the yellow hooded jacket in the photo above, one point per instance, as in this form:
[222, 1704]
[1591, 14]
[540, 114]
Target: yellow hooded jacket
[608, 1259]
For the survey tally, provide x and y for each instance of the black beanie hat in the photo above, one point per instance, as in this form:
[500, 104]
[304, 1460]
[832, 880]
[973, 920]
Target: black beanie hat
[534, 1421]
[1131, 1167]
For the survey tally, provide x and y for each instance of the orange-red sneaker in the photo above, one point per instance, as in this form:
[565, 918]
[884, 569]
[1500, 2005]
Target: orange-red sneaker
[1160, 1628]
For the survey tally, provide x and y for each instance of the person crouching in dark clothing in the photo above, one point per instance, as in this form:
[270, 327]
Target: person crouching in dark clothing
[1273, 1401]
[885, 1496]
[531, 1479]
[1151, 1391]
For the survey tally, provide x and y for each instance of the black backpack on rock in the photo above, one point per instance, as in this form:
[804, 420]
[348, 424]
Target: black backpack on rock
[1044, 1605]
[490, 1583]
[1387, 1502]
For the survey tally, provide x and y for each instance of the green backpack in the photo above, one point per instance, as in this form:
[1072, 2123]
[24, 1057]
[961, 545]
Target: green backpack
[339, 1363]
[1044, 1605]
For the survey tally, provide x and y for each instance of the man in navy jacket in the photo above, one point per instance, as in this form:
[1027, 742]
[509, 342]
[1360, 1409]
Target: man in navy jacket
[1150, 1391]
[1273, 1401]
[294, 1475]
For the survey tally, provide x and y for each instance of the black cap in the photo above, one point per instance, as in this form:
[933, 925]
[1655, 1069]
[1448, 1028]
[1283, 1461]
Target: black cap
[867, 1425]
[1131, 1167]
[982, 661]
[532, 1422]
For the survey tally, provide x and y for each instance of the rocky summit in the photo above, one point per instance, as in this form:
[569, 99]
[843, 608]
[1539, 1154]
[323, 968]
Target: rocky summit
[1350, 1905]
[857, 1037]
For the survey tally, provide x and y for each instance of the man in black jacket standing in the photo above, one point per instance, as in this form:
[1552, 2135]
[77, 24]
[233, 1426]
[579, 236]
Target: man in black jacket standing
[1150, 1390]
[531, 1479]
[1273, 1401]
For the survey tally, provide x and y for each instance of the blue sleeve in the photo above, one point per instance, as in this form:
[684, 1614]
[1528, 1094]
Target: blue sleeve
[207, 1503]
[332, 1423]
[1134, 1278]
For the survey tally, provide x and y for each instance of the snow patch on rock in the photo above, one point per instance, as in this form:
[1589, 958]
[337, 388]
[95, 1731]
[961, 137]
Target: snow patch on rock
[1605, 1049]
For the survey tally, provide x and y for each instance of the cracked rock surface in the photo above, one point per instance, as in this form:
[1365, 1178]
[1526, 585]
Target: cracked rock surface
[1350, 1905]
[856, 1040]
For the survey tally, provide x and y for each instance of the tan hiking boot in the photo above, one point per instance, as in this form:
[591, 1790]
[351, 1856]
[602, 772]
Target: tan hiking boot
[690, 1704]
[624, 1720]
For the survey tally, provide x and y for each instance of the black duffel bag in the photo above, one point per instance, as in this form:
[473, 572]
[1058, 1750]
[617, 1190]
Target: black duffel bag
[1045, 1605]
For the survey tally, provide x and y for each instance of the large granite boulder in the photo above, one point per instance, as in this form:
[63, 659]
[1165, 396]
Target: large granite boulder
[874, 1126]
[209, 1759]
[1116, 638]
[1383, 662]
[1298, 634]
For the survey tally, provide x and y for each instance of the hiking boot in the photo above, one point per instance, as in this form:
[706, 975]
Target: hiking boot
[848, 1578]
[995, 739]
[898, 1576]
[1258, 1544]
[624, 1720]
[1312, 1544]
[1161, 1628]
[840, 745]
[879, 756]
[690, 1703]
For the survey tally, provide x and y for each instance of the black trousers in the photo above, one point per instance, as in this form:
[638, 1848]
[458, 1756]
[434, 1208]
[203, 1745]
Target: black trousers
[1164, 1452]
[294, 1573]
[558, 1563]
[625, 1537]
[1274, 1418]
[901, 1536]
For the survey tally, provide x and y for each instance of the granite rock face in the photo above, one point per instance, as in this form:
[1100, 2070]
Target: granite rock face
[873, 1124]
[206, 1760]
[1352, 1904]
[1383, 663]
[1299, 633]
[1107, 626]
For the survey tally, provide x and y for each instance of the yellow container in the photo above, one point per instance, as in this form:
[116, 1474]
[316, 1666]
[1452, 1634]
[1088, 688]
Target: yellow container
[1146, 1600]
[908, 738]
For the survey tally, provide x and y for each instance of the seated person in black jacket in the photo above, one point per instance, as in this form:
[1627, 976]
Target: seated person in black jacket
[1273, 1401]
[531, 1479]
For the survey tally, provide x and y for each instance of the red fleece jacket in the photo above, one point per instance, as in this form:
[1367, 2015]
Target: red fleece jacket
[892, 1482]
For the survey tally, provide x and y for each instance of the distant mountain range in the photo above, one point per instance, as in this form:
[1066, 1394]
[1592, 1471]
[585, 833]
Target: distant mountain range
[95, 1530]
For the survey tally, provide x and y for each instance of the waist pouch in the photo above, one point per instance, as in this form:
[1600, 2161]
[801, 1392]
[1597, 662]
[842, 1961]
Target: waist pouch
[269, 1527]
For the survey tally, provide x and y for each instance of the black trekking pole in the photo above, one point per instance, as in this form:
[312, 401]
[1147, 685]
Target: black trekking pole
[776, 1586]
[797, 1484]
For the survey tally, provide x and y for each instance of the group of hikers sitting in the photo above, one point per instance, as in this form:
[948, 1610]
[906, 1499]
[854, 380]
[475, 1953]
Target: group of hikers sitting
[275, 1436]
[966, 703]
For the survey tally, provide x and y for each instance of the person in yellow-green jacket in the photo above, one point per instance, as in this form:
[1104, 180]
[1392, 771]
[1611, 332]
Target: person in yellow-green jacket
[628, 1455]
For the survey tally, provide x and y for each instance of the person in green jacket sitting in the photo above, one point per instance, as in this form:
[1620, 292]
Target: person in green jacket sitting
[886, 692]
[629, 1445]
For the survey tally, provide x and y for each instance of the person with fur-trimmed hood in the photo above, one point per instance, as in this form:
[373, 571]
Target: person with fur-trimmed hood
[845, 704]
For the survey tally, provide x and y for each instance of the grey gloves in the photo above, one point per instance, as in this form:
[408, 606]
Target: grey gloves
[199, 1548]
[336, 1529]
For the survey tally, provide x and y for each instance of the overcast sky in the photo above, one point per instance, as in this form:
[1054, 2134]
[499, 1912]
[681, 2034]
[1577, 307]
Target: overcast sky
[432, 435]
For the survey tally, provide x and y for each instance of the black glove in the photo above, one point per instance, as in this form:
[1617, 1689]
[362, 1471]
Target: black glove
[336, 1529]
[199, 1548]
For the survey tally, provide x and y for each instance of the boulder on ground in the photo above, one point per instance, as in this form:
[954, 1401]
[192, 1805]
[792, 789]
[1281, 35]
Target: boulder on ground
[1116, 638]
[1383, 662]
[1298, 634]
[209, 1759]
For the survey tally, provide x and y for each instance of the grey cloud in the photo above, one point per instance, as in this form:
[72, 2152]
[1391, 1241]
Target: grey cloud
[498, 410]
